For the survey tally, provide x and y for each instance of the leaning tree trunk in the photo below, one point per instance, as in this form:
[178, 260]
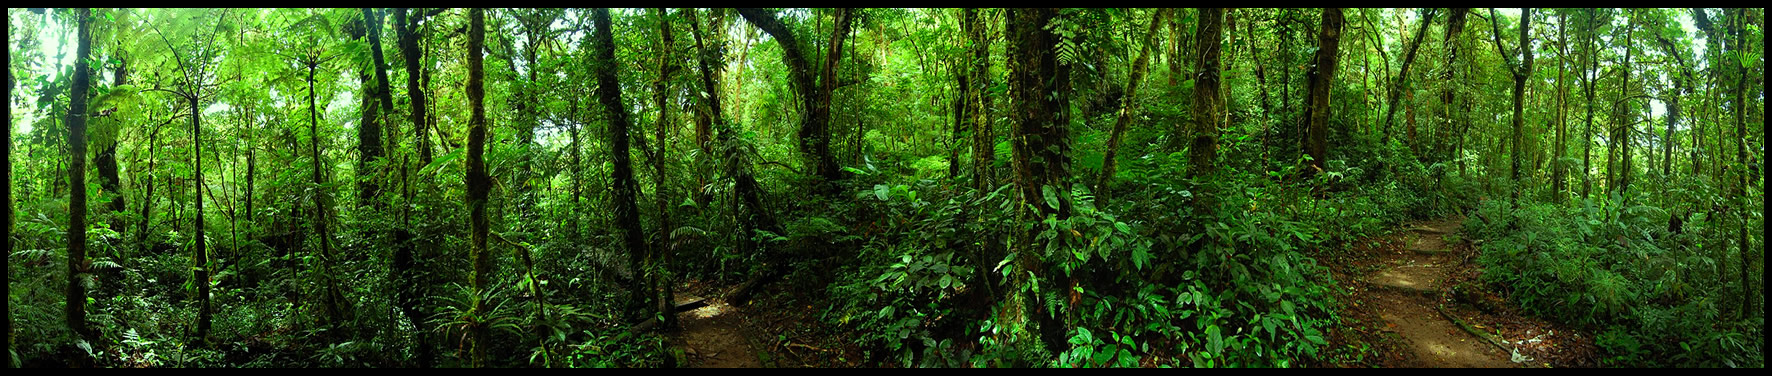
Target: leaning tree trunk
[627, 213]
[478, 183]
[815, 96]
[1322, 76]
[747, 206]
[1126, 103]
[1397, 88]
[77, 264]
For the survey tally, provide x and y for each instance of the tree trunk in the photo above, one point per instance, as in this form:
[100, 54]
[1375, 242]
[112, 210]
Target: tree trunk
[77, 264]
[6, 193]
[1521, 70]
[747, 206]
[978, 101]
[478, 183]
[370, 132]
[1206, 102]
[1588, 69]
[1557, 168]
[815, 97]
[1127, 102]
[107, 157]
[1041, 143]
[1401, 84]
[1742, 207]
[1322, 76]
[662, 93]
[405, 261]
[627, 213]
[1454, 29]
[1623, 122]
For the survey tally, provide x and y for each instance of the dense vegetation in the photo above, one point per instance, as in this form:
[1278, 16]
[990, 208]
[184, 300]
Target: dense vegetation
[949, 187]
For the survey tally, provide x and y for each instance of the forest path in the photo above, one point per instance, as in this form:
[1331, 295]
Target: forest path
[1413, 282]
[1406, 285]
[714, 336]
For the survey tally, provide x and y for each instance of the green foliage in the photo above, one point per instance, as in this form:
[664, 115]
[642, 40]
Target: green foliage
[1613, 265]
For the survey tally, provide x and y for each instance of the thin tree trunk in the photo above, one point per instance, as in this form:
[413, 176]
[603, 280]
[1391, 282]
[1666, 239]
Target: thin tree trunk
[1522, 70]
[77, 264]
[1402, 80]
[815, 96]
[662, 93]
[1127, 103]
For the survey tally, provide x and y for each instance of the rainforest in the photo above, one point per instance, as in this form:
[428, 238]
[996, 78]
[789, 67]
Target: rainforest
[850, 187]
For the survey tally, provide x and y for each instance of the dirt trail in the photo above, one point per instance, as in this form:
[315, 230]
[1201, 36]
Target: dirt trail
[1409, 285]
[714, 337]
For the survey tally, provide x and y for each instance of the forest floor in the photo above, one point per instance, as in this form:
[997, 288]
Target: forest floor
[776, 329]
[1414, 299]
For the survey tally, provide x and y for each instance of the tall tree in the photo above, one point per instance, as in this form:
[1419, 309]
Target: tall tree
[663, 92]
[6, 194]
[1521, 70]
[979, 98]
[1127, 102]
[404, 253]
[1557, 167]
[1206, 100]
[1398, 86]
[478, 183]
[1322, 76]
[1449, 94]
[1623, 118]
[1040, 88]
[77, 264]
[815, 96]
[747, 206]
[1737, 23]
[1589, 70]
[376, 99]
[627, 213]
[106, 159]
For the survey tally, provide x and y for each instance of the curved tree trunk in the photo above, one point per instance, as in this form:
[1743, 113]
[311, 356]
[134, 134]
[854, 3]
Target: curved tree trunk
[815, 97]
[1401, 84]
[1126, 104]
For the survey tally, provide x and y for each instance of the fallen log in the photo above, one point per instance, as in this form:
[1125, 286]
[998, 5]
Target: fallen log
[681, 307]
